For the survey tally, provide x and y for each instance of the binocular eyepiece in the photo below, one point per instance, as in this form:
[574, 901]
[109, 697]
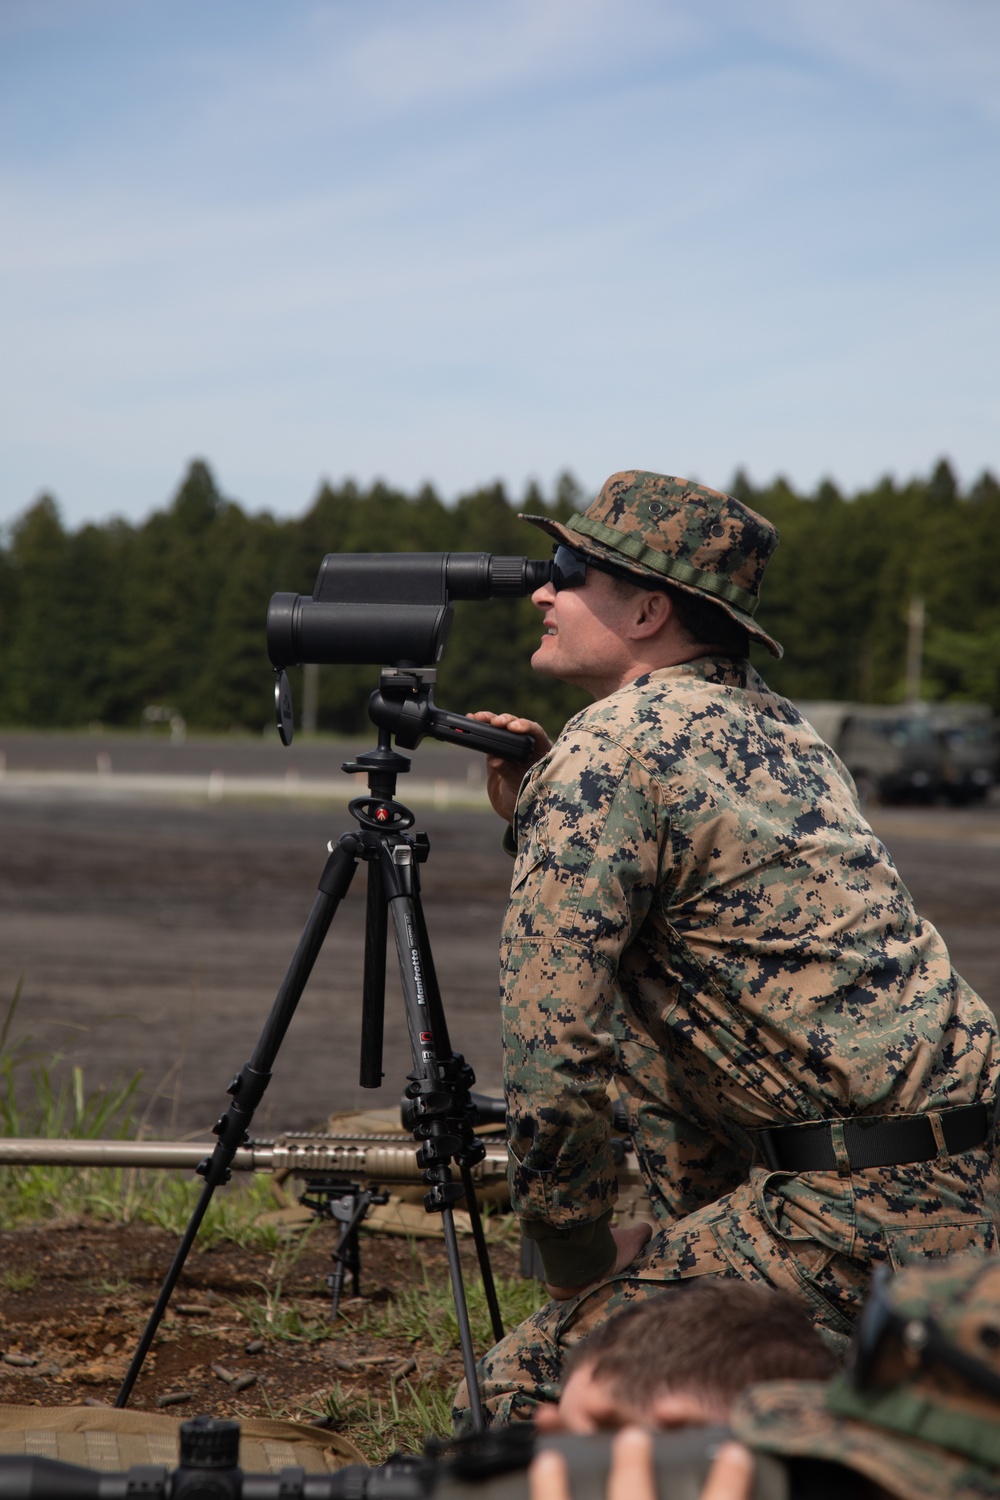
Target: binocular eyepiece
[390, 608]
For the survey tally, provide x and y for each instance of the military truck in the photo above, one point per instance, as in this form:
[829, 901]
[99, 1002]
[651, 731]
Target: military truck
[910, 752]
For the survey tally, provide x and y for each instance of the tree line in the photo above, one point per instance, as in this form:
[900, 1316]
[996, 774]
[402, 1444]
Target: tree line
[101, 623]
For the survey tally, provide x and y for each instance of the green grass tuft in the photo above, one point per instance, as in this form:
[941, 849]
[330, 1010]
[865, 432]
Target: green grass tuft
[425, 1311]
[49, 1099]
[19, 1281]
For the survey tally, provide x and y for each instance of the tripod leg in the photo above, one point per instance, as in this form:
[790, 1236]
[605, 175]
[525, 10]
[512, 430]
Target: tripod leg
[482, 1251]
[373, 994]
[435, 1008]
[462, 1314]
[177, 1265]
[432, 1093]
[439, 1026]
[250, 1083]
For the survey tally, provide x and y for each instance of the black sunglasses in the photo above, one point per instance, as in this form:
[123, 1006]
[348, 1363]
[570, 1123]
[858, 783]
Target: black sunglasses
[920, 1336]
[569, 570]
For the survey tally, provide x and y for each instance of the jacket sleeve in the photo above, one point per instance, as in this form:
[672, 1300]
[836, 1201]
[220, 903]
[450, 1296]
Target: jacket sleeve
[591, 836]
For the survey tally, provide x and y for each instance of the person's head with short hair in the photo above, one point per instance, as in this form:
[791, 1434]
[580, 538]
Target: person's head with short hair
[657, 572]
[684, 1356]
[705, 550]
[917, 1410]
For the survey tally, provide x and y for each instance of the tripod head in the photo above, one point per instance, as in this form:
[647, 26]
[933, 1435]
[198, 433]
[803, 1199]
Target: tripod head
[403, 706]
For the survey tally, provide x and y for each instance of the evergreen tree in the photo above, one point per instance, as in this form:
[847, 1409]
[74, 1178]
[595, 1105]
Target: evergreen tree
[37, 666]
[169, 597]
[101, 623]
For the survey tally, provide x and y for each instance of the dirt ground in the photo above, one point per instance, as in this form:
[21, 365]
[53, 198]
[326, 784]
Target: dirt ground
[151, 933]
[74, 1300]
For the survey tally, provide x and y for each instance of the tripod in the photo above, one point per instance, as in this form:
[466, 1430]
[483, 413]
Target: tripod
[439, 1109]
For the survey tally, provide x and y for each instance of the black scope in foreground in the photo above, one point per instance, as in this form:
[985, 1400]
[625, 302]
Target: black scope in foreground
[390, 608]
[490, 1466]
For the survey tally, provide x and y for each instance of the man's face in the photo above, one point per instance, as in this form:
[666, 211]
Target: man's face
[585, 640]
[589, 1404]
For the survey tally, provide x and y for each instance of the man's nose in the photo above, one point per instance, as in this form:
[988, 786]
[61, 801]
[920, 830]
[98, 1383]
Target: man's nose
[544, 596]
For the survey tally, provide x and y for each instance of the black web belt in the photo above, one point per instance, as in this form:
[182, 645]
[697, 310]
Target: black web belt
[875, 1140]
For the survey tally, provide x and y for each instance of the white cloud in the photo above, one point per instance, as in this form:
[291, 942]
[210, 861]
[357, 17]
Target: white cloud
[947, 50]
[448, 240]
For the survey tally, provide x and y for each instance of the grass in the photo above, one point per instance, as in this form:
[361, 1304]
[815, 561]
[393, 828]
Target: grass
[424, 1312]
[48, 1098]
[18, 1281]
[380, 1428]
[271, 1315]
[422, 1315]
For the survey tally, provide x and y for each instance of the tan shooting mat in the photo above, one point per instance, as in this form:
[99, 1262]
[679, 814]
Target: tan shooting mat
[113, 1440]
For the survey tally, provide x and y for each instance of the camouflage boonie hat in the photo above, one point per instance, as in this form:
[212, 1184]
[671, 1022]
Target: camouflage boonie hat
[660, 527]
[918, 1409]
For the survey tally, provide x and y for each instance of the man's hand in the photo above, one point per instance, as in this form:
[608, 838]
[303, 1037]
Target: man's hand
[633, 1476]
[630, 1477]
[731, 1474]
[504, 777]
[629, 1241]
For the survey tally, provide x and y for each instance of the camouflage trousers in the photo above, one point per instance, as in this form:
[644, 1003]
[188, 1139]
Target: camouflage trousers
[816, 1236]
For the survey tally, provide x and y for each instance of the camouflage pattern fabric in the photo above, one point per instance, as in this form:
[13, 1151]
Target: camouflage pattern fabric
[700, 913]
[915, 1424]
[670, 529]
[791, 1417]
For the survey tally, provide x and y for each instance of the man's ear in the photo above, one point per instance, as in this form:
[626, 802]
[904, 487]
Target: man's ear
[652, 611]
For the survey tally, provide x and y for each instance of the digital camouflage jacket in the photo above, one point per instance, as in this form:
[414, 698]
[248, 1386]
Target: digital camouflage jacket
[700, 913]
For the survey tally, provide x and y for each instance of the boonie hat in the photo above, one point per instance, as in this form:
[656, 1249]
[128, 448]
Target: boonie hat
[669, 529]
[918, 1408]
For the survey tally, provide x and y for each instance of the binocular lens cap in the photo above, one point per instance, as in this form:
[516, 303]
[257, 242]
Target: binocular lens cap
[283, 708]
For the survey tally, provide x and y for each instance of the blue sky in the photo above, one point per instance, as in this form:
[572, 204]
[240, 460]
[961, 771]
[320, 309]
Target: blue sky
[461, 240]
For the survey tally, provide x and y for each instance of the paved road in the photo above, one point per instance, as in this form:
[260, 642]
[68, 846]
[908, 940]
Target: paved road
[109, 766]
[152, 932]
[233, 755]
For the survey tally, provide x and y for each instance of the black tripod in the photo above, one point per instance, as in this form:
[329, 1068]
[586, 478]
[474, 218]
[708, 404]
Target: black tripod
[439, 1109]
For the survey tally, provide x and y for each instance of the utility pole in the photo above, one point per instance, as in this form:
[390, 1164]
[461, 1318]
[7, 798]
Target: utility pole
[915, 618]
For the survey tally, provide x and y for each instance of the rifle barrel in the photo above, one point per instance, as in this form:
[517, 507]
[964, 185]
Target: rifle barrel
[378, 1158]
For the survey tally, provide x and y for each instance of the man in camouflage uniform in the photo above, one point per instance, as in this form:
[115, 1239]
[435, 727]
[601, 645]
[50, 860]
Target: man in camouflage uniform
[701, 918]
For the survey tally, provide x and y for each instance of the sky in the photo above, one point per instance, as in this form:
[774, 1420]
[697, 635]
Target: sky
[456, 241]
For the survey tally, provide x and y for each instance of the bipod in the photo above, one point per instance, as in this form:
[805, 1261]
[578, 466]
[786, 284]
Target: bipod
[347, 1203]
